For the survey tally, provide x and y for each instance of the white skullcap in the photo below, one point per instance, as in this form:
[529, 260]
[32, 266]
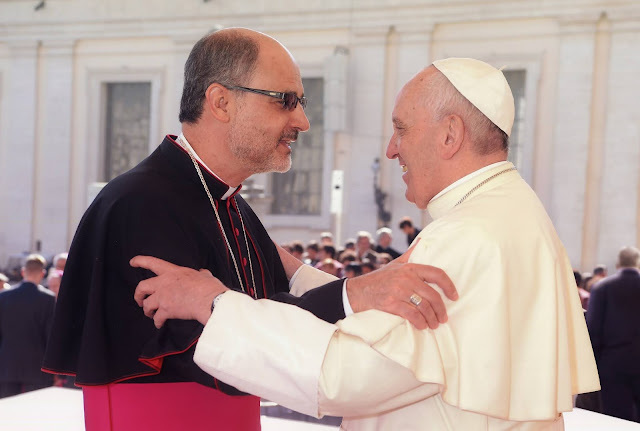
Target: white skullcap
[484, 86]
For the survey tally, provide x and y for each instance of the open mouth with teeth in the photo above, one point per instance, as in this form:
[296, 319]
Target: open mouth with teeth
[404, 168]
[286, 142]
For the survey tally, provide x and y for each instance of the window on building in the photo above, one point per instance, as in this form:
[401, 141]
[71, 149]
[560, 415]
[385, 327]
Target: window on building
[127, 126]
[299, 191]
[517, 81]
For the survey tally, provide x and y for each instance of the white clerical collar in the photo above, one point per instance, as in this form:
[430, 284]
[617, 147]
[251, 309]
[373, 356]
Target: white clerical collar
[452, 195]
[467, 178]
[182, 141]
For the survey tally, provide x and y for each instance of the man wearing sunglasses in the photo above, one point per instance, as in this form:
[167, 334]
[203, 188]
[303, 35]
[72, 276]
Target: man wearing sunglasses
[515, 348]
[242, 109]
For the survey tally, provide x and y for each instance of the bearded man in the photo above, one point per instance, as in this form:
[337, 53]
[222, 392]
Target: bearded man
[242, 108]
[515, 349]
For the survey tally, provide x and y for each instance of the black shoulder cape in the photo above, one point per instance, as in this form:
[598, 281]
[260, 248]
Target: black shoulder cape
[159, 208]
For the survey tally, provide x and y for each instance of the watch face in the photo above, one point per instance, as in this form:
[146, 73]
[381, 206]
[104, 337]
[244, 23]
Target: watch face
[215, 301]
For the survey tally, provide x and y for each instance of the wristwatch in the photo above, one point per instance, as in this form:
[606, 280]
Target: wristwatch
[215, 300]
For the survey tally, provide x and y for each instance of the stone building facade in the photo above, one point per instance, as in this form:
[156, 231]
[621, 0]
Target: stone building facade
[89, 87]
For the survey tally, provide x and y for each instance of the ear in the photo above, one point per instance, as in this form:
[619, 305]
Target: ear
[217, 102]
[454, 136]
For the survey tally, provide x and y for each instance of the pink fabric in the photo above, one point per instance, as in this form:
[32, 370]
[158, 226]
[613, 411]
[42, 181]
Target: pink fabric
[167, 406]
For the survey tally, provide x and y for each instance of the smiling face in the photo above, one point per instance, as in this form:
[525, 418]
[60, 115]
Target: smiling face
[262, 132]
[414, 142]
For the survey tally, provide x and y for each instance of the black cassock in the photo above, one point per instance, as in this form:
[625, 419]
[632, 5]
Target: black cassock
[159, 208]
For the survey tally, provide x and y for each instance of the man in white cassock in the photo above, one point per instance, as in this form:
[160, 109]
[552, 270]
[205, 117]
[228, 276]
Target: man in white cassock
[515, 349]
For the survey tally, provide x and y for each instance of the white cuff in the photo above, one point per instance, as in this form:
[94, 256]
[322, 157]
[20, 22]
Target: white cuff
[294, 276]
[307, 278]
[348, 311]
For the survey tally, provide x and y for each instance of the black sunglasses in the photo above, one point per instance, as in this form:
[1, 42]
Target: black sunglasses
[289, 100]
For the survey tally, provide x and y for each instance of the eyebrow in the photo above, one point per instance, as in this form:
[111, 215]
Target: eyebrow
[398, 123]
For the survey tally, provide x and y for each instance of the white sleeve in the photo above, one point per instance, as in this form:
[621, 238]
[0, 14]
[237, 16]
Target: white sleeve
[266, 348]
[287, 355]
[307, 278]
[358, 381]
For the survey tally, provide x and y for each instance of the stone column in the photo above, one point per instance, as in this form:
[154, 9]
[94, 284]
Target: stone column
[620, 129]
[366, 100]
[19, 136]
[569, 152]
[53, 147]
[597, 124]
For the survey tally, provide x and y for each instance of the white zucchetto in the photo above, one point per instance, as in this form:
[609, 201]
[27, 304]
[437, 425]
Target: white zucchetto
[482, 85]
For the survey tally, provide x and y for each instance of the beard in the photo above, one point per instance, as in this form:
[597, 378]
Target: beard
[259, 153]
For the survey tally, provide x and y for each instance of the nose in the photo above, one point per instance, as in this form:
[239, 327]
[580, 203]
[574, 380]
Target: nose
[299, 119]
[392, 148]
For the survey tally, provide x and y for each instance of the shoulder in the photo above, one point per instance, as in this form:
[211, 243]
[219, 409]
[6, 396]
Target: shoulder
[139, 191]
[134, 184]
[598, 293]
[459, 228]
[615, 283]
[46, 292]
[16, 291]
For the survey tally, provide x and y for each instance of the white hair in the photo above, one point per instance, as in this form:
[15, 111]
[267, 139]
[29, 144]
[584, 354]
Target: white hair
[365, 234]
[442, 99]
[383, 231]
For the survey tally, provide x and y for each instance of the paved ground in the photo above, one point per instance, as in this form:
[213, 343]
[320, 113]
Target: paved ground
[61, 409]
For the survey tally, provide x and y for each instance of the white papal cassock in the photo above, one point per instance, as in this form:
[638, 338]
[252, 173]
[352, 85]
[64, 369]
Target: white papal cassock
[514, 351]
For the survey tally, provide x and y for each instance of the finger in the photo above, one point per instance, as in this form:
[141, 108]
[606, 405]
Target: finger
[150, 306]
[411, 313]
[426, 310]
[435, 304]
[154, 264]
[431, 274]
[159, 319]
[144, 289]
[404, 258]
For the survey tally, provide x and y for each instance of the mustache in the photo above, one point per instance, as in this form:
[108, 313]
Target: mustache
[290, 136]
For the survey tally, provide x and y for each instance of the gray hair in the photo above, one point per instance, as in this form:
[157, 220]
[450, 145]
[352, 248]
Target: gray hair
[228, 57]
[364, 234]
[59, 256]
[628, 257]
[443, 99]
[383, 231]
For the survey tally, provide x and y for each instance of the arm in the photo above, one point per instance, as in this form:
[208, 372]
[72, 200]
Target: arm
[387, 289]
[292, 345]
[356, 380]
[298, 354]
[290, 263]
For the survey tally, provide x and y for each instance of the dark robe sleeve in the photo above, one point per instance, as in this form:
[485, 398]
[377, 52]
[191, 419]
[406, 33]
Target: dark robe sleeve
[325, 302]
[100, 334]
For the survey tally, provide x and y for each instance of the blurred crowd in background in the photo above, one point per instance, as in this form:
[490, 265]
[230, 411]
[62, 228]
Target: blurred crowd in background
[611, 300]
